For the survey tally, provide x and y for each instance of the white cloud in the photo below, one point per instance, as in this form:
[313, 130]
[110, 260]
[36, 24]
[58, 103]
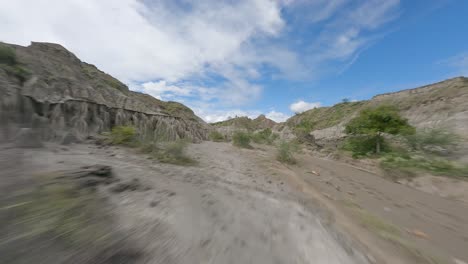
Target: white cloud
[351, 31]
[213, 116]
[161, 89]
[215, 51]
[317, 10]
[459, 62]
[302, 106]
[143, 40]
[277, 116]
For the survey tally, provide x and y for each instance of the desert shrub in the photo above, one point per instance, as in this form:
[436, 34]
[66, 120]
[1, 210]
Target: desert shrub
[21, 73]
[265, 136]
[216, 136]
[303, 129]
[149, 148]
[123, 135]
[7, 55]
[409, 164]
[10, 65]
[57, 214]
[285, 152]
[241, 139]
[174, 152]
[432, 139]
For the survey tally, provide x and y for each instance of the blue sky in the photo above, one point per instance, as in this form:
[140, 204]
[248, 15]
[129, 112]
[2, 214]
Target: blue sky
[225, 58]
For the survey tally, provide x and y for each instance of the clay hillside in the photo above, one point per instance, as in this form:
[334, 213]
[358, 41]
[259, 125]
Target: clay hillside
[243, 122]
[440, 105]
[45, 85]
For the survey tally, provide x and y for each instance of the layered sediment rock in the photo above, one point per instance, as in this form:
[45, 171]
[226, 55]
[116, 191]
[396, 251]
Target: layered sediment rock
[57, 95]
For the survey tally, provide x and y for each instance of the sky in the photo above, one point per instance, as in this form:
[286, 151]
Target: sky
[226, 58]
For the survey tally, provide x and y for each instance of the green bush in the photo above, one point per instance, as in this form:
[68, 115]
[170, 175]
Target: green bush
[21, 73]
[408, 165]
[241, 139]
[285, 152]
[7, 55]
[216, 136]
[9, 63]
[425, 139]
[265, 136]
[174, 153]
[304, 128]
[125, 135]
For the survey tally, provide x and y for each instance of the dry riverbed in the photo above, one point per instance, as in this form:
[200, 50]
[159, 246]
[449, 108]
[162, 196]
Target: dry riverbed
[242, 206]
[226, 209]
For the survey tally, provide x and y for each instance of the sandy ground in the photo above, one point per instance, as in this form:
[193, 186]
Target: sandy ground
[430, 225]
[226, 209]
[242, 206]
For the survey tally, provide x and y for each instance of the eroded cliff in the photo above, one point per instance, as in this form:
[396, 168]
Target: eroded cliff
[46, 87]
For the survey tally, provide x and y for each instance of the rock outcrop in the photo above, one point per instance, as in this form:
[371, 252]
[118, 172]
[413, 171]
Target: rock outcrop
[49, 89]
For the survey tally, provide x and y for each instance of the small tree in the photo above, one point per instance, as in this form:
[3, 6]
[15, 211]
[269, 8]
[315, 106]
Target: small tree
[374, 122]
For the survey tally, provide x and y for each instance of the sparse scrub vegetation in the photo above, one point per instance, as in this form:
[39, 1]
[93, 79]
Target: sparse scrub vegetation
[62, 211]
[239, 122]
[123, 135]
[177, 109]
[405, 164]
[285, 152]
[163, 150]
[388, 232]
[303, 129]
[409, 153]
[324, 117]
[422, 152]
[241, 139]
[426, 151]
[216, 136]
[265, 136]
[10, 65]
[174, 153]
[7, 55]
[435, 140]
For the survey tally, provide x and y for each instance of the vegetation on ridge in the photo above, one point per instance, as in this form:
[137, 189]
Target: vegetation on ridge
[323, 117]
[10, 64]
[244, 122]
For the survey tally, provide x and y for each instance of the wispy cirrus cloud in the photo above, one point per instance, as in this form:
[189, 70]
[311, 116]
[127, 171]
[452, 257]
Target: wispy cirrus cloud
[350, 31]
[459, 63]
